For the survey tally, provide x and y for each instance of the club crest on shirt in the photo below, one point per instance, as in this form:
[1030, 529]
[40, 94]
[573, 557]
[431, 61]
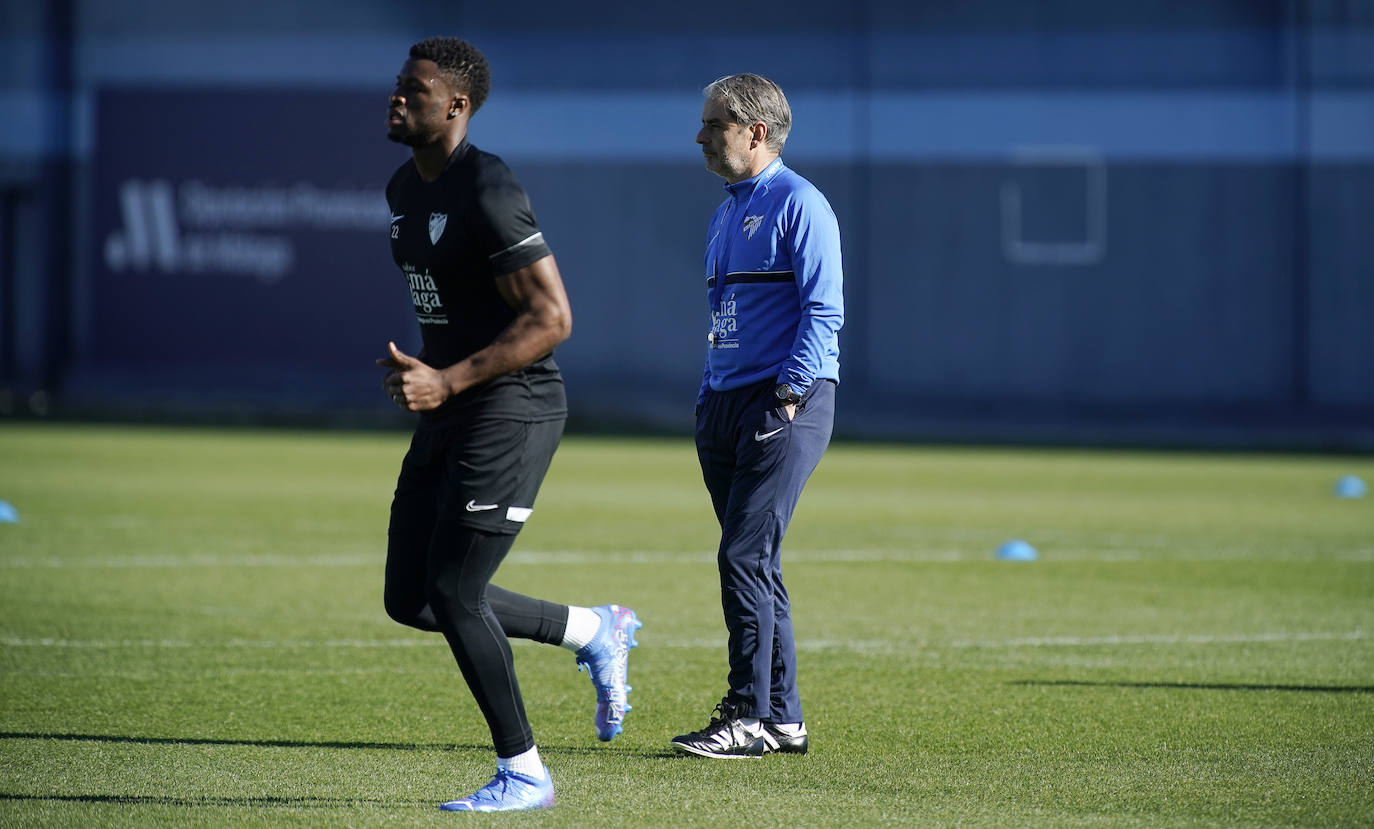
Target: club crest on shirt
[437, 223]
[751, 225]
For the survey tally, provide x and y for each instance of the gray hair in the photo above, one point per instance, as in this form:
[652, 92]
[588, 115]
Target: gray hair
[749, 98]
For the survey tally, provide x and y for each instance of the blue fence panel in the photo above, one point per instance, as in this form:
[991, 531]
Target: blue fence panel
[244, 249]
[1053, 208]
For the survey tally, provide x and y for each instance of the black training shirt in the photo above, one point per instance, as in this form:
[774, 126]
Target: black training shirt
[451, 238]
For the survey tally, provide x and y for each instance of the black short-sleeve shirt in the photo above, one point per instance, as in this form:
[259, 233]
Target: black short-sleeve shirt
[451, 238]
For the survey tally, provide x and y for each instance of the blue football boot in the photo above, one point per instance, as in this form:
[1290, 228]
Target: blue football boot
[508, 791]
[607, 659]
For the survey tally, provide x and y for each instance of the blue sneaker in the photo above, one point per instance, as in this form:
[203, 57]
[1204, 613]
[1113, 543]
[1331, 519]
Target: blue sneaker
[508, 791]
[607, 659]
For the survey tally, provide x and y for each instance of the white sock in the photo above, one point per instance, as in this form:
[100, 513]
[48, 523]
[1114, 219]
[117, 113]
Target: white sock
[583, 624]
[527, 764]
[791, 729]
[751, 724]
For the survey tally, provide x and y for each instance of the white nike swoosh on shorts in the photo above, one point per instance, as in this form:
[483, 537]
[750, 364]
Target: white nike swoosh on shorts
[762, 436]
[473, 506]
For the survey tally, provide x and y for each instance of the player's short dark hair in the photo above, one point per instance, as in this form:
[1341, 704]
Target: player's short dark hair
[461, 64]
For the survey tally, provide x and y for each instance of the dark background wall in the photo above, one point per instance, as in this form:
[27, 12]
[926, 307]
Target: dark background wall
[1063, 220]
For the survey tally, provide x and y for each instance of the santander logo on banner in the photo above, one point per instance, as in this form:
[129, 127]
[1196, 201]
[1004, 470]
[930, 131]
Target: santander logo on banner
[196, 228]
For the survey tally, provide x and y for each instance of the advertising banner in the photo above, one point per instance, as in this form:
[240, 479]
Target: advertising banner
[240, 237]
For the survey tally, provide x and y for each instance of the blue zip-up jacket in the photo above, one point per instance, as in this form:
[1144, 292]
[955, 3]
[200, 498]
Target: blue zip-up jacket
[774, 284]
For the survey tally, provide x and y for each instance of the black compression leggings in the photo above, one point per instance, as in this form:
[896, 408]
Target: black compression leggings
[447, 588]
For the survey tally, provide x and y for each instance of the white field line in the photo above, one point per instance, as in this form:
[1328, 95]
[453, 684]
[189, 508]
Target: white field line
[572, 557]
[193, 560]
[519, 557]
[437, 670]
[856, 645]
[1165, 639]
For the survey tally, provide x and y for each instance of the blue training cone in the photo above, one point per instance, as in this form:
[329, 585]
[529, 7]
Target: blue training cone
[1351, 486]
[1017, 550]
[8, 514]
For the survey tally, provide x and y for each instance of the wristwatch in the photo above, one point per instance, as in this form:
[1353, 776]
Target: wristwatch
[786, 394]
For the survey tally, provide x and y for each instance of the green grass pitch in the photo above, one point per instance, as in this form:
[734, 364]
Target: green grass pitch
[191, 634]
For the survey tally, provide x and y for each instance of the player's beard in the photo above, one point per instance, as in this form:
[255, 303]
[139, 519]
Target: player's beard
[401, 134]
[410, 134]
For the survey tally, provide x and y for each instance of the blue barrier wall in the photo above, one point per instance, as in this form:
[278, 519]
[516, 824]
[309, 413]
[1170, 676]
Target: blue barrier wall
[1062, 219]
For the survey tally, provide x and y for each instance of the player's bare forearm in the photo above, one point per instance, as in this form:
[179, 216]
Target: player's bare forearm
[415, 386]
[525, 340]
[543, 319]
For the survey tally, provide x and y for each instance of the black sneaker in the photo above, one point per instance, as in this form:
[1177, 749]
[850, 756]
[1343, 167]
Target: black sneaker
[724, 738]
[775, 740]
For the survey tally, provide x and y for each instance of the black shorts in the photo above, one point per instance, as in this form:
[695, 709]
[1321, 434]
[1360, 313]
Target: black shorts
[482, 473]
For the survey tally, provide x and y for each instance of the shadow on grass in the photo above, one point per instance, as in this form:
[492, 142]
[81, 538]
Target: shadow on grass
[206, 741]
[1205, 686]
[341, 744]
[259, 802]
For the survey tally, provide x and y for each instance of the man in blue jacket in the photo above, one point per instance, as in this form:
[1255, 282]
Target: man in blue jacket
[767, 400]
